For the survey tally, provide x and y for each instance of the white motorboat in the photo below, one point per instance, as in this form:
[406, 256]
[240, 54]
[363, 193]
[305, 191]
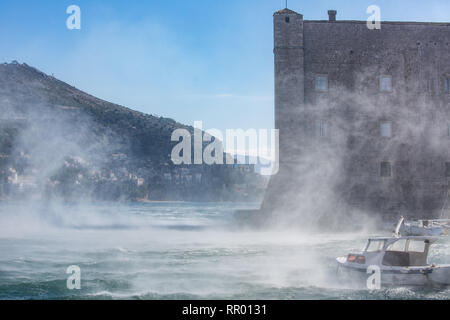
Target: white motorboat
[437, 227]
[400, 261]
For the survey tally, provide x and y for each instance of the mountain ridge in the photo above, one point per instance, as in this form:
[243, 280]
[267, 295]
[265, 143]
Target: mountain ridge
[42, 116]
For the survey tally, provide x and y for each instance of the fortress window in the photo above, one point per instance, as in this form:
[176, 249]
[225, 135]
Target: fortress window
[321, 128]
[287, 19]
[386, 131]
[385, 169]
[385, 84]
[447, 85]
[322, 83]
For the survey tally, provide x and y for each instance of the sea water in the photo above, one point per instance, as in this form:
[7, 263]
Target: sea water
[174, 251]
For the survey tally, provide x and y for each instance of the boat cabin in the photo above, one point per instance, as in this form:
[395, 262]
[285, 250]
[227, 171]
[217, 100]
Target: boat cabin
[395, 252]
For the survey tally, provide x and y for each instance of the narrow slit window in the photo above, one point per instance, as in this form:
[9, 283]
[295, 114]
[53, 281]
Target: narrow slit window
[322, 83]
[447, 85]
[385, 84]
[321, 128]
[385, 169]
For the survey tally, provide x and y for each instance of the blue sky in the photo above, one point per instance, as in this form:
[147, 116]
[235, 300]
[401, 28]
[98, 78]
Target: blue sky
[208, 60]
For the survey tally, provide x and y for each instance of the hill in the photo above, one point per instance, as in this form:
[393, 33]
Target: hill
[57, 141]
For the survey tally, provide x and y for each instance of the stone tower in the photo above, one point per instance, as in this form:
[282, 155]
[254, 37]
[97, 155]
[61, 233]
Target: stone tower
[289, 104]
[289, 78]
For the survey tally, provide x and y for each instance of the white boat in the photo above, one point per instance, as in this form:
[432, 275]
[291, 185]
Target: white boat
[437, 227]
[400, 261]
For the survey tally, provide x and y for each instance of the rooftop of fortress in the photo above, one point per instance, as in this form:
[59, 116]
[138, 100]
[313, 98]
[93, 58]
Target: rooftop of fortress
[332, 19]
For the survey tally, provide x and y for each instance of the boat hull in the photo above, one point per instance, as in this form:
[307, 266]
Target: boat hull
[416, 276]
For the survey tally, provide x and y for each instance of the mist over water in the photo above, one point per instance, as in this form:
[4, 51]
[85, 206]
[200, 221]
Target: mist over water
[173, 251]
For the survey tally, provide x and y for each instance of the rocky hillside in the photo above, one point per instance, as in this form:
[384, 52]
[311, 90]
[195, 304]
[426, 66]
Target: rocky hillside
[27, 92]
[56, 140]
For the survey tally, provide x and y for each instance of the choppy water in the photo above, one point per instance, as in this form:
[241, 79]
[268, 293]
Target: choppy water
[173, 251]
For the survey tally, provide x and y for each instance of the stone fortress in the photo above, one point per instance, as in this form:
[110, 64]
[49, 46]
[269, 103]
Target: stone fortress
[363, 116]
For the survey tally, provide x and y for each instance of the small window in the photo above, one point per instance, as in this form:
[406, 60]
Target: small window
[321, 83]
[447, 85]
[375, 245]
[287, 19]
[385, 84]
[321, 128]
[447, 169]
[385, 169]
[386, 129]
[416, 246]
[361, 260]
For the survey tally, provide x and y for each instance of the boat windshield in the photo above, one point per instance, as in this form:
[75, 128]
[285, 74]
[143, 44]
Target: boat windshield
[404, 245]
[397, 246]
[417, 246]
[375, 245]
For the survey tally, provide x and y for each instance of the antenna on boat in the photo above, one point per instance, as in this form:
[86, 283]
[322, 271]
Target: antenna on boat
[398, 227]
